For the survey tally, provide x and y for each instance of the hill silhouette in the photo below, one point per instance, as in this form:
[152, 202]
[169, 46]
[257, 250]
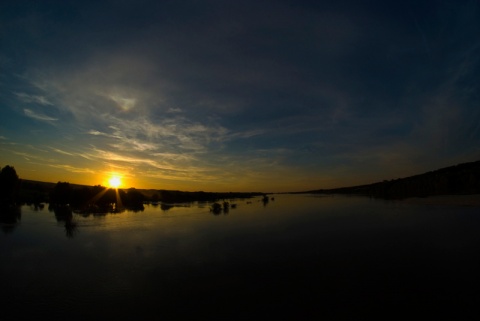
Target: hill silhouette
[453, 180]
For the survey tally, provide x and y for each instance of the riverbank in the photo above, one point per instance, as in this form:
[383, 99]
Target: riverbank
[446, 200]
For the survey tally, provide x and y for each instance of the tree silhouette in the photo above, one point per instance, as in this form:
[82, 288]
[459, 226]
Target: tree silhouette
[61, 194]
[134, 199]
[8, 184]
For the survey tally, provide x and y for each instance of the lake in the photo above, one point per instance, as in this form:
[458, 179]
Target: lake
[297, 256]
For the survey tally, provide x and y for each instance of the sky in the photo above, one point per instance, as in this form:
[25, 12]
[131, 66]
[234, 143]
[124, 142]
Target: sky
[268, 96]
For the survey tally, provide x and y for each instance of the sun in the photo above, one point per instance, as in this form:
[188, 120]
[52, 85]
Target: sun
[114, 181]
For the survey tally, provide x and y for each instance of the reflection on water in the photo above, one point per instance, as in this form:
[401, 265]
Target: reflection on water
[292, 256]
[10, 216]
[64, 214]
[166, 207]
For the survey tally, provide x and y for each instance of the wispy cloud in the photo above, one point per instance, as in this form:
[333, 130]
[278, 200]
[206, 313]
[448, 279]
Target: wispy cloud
[141, 134]
[174, 110]
[42, 100]
[123, 103]
[61, 151]
[128, 144]
[72, 168]
[165, 165]
[181, 176]
[38, 116]
[29, 156]
[175, 157]
[96, 133]
[246, 134]
[37, 148]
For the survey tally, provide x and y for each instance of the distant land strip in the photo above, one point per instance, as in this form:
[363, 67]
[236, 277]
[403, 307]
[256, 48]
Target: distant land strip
[31, 191]
[461, 179]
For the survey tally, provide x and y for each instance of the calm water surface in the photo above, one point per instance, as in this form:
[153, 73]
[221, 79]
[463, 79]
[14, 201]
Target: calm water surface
[302, 256]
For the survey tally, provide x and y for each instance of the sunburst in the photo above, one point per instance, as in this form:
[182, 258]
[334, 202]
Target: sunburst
[114, 181]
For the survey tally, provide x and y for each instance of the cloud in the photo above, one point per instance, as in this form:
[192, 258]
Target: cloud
[175, 157]
[73, 169]
[29, 156]
[168, 134]
[95, 132]
[61, 151]
[38, 116]
[174, 110]
[128, 159]
[166, 165]
[42, 100]
[152, 126]
[124, 103]
[247, 133]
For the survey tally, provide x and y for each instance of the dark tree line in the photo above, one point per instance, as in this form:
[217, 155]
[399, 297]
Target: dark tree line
[15, 191]
[95, 198]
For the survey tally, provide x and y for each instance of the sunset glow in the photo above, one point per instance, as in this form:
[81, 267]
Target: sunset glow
[114, 182]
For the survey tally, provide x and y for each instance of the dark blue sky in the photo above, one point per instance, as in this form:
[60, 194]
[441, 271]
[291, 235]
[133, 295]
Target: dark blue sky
[238, 95]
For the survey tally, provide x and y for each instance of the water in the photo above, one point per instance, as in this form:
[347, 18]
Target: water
[299, 256]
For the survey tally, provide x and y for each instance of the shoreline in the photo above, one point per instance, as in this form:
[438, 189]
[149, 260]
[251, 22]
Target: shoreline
[470, 200]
